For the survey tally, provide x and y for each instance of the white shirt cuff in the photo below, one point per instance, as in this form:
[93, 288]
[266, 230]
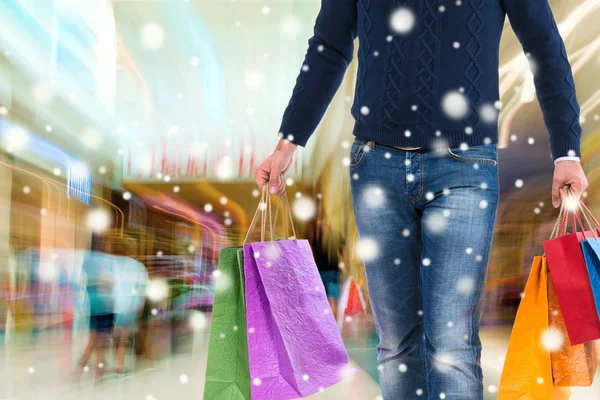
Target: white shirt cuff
[566, 158]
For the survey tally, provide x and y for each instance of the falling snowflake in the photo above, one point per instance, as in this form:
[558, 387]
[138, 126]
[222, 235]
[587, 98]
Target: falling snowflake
[271, 252]
[465, 285]
[492, 389]
[426, 262]
[305, 68]
[552, 339]
[483, 204]
[455, 105]
[254, 79]
[531, 140]
[304, 208]
[223, 282]
[456, 45]
[397, 261]
[435, 222]
[402, 368]
[444, 362]
[43, 92]
[419, 392]
[91, 139]
[157, 289]
[224, 168]
[291, 26]
[405, 232]
[402, 20]
[373, 196]
[519, 183]
[367, 249]
[442, 8]
[364, 110]
[407, 133]
[488, 113]
[198, 321]
[152, 36]
[540, 380]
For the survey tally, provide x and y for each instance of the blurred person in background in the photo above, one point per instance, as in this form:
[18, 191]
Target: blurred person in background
[98, 269]
[131, 278]
[424, 165]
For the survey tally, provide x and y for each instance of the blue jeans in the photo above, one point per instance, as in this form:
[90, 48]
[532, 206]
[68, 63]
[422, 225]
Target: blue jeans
[425, 222]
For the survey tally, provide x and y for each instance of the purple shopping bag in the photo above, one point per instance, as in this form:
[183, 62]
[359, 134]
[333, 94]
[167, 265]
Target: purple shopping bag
[294, 346]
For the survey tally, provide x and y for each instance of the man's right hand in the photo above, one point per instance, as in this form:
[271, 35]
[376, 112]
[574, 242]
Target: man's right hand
[275, 166]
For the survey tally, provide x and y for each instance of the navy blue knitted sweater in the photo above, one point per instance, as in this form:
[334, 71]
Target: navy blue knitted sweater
[428, 71]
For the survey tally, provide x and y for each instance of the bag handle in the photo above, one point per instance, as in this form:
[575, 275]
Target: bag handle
[264, 206]
[586, 212]
[575, 216]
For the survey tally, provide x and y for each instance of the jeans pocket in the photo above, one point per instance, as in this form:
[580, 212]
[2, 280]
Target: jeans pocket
[482, 153]
[358, 152]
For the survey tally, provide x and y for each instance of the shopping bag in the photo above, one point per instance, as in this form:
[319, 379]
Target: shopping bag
[571, 280]
[591, 255]
[527, 372]
[227, 370]
[571, 365]
[294, 346]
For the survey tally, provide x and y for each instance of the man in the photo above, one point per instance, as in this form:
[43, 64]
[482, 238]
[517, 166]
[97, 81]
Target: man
[98, 268]
[424, 165]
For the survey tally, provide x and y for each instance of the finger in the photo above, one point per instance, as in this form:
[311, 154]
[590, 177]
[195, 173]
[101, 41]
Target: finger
[262, 177]
[274, 181]
[556, 199]
[281, 187]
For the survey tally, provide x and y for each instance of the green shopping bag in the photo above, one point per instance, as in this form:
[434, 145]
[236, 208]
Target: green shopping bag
[228, 371]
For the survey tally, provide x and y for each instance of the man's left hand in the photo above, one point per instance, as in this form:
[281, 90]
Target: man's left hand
[567, 173]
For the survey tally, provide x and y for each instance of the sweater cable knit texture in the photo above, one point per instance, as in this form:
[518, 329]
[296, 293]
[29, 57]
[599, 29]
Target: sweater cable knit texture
[428, 72]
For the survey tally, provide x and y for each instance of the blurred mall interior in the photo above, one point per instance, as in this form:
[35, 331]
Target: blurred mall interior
[134, 128]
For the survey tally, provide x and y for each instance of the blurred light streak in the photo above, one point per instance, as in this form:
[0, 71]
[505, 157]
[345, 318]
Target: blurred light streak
[51, 181]
[200, 43]
[125, 60]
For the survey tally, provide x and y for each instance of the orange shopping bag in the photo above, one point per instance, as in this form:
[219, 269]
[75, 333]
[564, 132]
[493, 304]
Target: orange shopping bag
[527, 372]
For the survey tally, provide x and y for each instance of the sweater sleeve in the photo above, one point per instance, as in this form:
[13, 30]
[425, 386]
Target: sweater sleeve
[330, 50]
[535, 27]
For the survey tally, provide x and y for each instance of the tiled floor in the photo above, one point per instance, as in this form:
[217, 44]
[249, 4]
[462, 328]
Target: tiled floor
[180, 377]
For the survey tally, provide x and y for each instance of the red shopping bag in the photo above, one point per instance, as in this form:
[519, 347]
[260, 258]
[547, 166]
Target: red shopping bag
[571, 280]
